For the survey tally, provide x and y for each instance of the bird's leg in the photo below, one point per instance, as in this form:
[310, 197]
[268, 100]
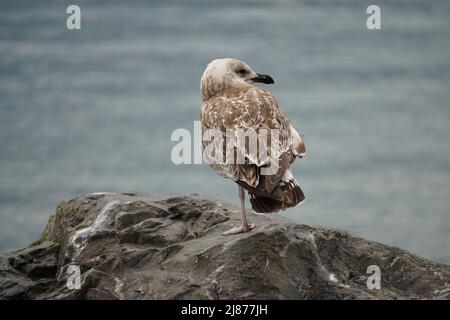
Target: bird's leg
[244, 227]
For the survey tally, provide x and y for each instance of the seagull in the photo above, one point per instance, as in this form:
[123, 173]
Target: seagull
[235, 108]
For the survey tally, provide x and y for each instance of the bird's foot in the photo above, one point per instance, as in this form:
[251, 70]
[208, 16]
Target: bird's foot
[259, 213]
[241, 228]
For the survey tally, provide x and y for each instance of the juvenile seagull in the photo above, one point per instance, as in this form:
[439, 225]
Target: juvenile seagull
[232, 104]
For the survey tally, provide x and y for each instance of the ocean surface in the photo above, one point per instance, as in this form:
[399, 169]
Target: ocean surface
[93, 110]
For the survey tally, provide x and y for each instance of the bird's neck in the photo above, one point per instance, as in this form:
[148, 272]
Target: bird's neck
[209, 91]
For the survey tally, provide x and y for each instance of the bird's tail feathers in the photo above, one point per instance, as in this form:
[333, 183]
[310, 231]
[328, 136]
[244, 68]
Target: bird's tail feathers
[289, 193]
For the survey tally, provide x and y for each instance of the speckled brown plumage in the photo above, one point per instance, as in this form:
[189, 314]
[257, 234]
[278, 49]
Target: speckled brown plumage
[243, 108]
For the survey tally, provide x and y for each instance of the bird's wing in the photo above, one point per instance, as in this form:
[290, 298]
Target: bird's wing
[298, 145]
[243, 112]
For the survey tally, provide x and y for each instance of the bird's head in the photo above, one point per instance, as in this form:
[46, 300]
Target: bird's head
[221, 74]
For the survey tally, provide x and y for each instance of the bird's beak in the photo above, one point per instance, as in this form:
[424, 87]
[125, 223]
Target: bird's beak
[263, 78]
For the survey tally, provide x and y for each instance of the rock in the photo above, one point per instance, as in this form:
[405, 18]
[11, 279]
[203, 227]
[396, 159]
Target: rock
[147, 246]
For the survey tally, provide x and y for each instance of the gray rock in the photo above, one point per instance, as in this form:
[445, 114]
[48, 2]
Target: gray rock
[147, 246]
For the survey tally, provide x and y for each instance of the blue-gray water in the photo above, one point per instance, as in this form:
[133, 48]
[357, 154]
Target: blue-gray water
[93, 110]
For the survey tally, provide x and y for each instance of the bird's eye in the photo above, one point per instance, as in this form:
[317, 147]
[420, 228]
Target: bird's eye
[241, 72]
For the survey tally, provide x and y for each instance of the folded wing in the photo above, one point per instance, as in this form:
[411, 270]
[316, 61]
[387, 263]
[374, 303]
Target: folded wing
[243, 115]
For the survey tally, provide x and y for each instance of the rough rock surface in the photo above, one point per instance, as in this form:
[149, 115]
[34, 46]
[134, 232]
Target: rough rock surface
[147, 246]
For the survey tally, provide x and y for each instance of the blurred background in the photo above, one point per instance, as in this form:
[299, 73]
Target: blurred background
[93, 110]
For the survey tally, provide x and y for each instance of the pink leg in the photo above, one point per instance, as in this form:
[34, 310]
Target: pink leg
[244, 227]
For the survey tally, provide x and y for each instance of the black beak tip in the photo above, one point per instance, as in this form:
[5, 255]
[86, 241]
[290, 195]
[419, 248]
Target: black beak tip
[263, 78]
[270, 80]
